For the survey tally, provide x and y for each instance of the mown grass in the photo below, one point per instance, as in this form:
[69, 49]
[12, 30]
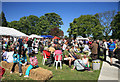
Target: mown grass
[61, 74]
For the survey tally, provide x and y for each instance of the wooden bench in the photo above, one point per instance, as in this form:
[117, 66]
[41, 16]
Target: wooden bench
[36, 74]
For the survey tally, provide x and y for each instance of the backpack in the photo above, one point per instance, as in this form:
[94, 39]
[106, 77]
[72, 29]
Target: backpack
[34, 61]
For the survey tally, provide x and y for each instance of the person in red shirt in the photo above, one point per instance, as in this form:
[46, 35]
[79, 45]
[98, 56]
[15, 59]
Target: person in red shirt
[45, 51]
[48, 56]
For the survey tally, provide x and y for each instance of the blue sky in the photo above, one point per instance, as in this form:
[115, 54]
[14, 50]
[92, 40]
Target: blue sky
[67, 10]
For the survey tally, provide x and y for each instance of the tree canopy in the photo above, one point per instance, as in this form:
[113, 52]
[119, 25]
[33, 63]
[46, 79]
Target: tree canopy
[56, 32]
[105, 19]
[35, 25]
[4, 21]
[86, 26]
[115, 26]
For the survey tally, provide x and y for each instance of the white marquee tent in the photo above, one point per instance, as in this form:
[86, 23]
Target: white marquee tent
[35, 36]
[81, 38]
[11, 32]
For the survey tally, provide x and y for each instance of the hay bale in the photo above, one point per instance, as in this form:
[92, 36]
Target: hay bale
[36, 74]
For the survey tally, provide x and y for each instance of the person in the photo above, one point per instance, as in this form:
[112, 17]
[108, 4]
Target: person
[4, 55]
[9, 55]
[33, 64]
[40, 46]
[47, 53]
[16, 58]
[111, 48]
[72, 52]
[105, 47]
[75, 49]
[51, 48]
[85, 61]
[64, 46]
[86, 49]
[29, 42]
[79, 65]
[68, 56]
[4, 45]
[118, 51]
[20, 40]
[98, 42]
[25, 45]
[57, 52]
[36, 46]
[116, 44]
[94, 49]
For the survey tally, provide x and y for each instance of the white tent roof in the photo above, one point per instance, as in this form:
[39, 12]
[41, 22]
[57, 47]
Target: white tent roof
[81, 38]
[35, 36]
[11, 32]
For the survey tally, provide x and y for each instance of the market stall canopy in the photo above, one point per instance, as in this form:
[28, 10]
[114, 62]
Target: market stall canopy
[11, 32]
[47, 36]
[35, 36]
[81, 38]
[56, 37]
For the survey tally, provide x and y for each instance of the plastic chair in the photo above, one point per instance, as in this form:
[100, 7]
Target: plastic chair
[58, 61]
[44, 58]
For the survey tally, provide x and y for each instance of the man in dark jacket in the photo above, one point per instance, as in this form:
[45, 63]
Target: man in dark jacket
[20, 40]
[29, 42]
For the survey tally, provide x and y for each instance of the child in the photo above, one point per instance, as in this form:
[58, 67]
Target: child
[16, 57]
[34, 64]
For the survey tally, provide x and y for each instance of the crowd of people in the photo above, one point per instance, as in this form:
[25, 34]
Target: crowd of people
[72, 52]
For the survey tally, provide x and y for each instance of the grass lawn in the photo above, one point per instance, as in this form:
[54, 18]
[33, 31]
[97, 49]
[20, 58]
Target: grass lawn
[65, 74]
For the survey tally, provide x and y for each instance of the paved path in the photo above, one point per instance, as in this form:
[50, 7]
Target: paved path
[109, 72]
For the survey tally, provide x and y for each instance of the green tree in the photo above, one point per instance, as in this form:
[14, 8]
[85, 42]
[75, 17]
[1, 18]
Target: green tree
[49, 21]
[86, 26]
[4, 21]
[115, 26]
[14, 24]
[56, 32]
[54, 20]
[26, 24]
[66, 37]
[43, 25]
[34, 25]
[105, 19]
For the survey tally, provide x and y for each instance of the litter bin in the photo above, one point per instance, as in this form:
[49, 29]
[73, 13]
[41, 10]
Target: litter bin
[96, 64]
